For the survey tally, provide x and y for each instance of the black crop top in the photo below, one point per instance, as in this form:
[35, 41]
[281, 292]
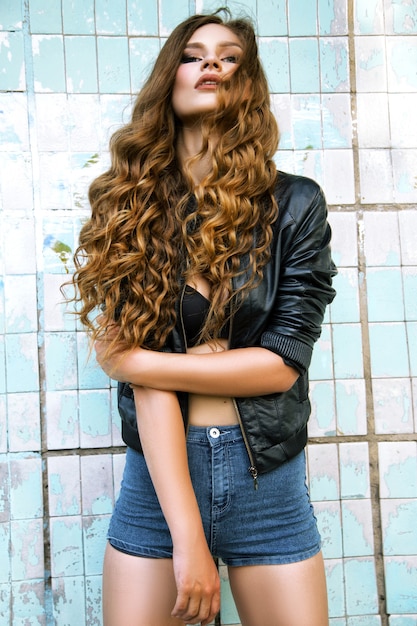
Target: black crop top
[195, 308]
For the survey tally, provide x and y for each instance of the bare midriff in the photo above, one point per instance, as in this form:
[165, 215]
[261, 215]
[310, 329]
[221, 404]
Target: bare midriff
[204, 410]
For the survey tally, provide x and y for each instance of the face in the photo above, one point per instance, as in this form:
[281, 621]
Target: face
[212, 53]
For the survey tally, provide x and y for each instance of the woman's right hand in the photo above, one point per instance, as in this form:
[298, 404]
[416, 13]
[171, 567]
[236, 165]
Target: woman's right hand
[198, 583]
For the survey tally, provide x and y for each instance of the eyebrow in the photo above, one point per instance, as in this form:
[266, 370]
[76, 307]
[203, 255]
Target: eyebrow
[222, 44]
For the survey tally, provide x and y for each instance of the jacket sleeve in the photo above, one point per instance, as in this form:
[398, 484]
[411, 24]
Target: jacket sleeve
[305, 277]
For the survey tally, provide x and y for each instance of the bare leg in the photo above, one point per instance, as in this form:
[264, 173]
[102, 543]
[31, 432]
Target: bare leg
[281, 595]
[138, 591]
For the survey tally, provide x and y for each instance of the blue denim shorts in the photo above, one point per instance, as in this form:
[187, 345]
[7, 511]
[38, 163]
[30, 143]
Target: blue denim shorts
[271, 525]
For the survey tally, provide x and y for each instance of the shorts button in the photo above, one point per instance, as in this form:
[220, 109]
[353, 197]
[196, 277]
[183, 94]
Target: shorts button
[214, 432]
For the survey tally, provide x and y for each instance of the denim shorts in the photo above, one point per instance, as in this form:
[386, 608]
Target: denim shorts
[273, 524]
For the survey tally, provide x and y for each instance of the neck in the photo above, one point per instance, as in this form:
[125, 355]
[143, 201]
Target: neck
[189, 144]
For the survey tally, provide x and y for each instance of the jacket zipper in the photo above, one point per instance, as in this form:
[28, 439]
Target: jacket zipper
[253, 470]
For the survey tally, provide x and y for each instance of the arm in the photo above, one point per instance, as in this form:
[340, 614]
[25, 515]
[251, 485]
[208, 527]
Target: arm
[294, 324]
[241, 372]
[161, 431]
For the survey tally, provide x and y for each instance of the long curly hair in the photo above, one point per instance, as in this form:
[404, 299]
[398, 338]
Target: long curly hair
[151, 228]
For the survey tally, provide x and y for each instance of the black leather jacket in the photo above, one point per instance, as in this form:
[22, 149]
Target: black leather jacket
[284, 314]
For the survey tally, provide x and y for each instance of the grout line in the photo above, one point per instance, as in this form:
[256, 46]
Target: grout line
[363, 304]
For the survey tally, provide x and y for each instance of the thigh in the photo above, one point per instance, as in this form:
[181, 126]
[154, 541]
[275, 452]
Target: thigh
[281, 595]
[138, 590]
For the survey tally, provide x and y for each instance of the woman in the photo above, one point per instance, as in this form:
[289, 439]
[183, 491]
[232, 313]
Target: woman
[213, 272]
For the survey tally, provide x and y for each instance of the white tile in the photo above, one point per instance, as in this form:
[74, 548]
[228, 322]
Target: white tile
[344, 238]
[339, 182]
[52, 124]
[373, 126]
[397, 469]
[371, 70]
[381, 238]
[403, 119]
[404, 164]
[392, 406]
[376, 176]
[408, 230]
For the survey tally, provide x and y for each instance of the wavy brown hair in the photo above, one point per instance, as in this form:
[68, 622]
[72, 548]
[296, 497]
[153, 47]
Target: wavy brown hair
[150, 228]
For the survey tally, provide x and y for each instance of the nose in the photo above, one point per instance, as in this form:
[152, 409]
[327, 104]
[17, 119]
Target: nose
[211, 62]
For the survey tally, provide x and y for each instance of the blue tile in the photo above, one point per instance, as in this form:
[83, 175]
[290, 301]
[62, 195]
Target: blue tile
[323, 477]
[93, 599]
[60, 361]
[28, 602]
[404, 21]
[332, 17]
[334, 65]
[45, 18]
[412, 346]
[66, 546]
[68, 594]
[10, 15]
[369, 17]
[172, 13]
[81, 76]
[336, 120]
[385, 295]
[361, 587]
[306, 118]
[22, 366]
[330, 528]
[389, 355]
[347, 347]
[90, 374]
[323, 408]
[304, 66]
[364, 620]
[398, 469]
[345, 307]
[27, 554]
[274, 56]
[399, 527]
[357, 528]
[113, 65]
[2, 366]
[78, 17]
[228, 610]
[95, 419]
[302, 18]
[5, 569]
[141, 19]
[335, 588]
[402, 63]
[94, 536]
[142, 52]
[321, 364]
[26, 487]
[351, 407]
[48, 63]
[110, 17]
[4, 489]
[272, 18]
[401, 584]
[354, 471]
[12, 62]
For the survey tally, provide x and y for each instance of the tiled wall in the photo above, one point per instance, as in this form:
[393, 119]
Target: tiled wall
[344, 80]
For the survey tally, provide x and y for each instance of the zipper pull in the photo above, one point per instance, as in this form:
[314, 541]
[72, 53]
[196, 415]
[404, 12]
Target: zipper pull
[254, 473]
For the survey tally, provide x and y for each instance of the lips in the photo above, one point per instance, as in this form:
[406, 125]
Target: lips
[208, 81]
